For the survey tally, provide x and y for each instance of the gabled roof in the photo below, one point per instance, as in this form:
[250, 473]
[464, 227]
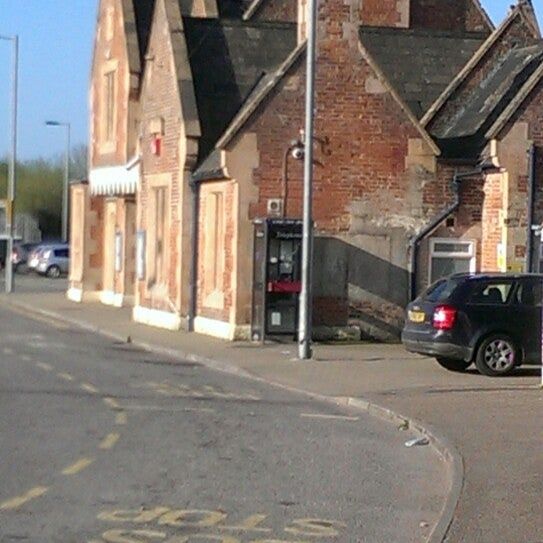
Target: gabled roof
[516, 103]
[138, 17]
[521, 12]
[228, 59]
[496, 92]
[419, 64]
[500, 86]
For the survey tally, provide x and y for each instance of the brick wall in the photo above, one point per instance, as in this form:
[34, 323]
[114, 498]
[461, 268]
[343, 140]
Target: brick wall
[278, 10]
[110, 54]
[530, 116]
[383, 12]
[161, 107]
[367, 200]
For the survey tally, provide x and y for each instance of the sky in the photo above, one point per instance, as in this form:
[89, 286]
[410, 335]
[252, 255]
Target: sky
[56, 40]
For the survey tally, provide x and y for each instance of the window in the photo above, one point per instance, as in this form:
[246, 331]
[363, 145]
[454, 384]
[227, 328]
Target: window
[62, 253]
[490, 292]
[214, 244]
[448, 256]
[109, 96]
[529, 292]
[442, 290]
[160, 235]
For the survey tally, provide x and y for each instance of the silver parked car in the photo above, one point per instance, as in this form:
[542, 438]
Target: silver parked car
[54, 261]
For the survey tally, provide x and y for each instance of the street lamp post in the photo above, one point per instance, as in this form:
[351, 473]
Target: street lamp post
[306, 298]
[12, 175]
[66, 177]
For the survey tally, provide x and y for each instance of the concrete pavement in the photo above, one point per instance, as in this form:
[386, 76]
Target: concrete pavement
[493, 423]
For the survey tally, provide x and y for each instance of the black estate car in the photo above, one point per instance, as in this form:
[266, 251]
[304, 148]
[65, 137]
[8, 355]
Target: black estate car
[492, 320]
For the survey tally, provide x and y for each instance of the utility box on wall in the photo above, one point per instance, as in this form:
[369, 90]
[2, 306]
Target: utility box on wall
[276, 277]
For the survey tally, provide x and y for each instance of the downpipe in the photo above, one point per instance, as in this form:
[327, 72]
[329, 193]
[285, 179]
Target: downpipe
[530, 215]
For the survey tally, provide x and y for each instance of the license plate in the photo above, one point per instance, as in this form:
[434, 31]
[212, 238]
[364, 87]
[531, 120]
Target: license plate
[416, 316]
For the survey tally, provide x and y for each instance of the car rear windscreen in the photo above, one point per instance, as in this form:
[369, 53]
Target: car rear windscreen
[441, 290]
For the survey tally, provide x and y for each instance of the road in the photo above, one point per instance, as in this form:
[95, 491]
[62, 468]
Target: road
[104, 442]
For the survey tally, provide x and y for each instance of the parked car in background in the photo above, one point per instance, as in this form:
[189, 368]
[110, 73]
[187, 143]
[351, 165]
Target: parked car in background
[492, 320]
[54, 261]
[35, 253]
[20, 255]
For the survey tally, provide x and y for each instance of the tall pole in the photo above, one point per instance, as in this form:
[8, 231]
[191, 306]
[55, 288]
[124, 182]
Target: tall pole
[66, 181]
[306, 298]
[65, 186]
[12, 174]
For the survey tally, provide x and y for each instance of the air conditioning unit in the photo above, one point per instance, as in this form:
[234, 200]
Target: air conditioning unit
[275, 207]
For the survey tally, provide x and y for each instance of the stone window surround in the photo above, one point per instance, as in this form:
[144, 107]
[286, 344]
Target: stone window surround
[108, 145]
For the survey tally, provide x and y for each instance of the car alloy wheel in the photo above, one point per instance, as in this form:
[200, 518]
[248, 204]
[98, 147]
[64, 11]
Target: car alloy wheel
[497, 355]
[53, 272]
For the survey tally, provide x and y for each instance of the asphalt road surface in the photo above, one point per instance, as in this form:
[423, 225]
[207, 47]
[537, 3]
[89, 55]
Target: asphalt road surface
[103, 442]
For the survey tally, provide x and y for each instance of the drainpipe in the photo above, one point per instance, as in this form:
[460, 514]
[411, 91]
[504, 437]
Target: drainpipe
[415, 241]
[195, 190]
[531, 203]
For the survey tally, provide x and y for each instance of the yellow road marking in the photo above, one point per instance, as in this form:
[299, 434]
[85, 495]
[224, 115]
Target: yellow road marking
[65, 376]
[109, 441]
[250, 524]
[89, 388]
[120, 418]
[112, 403]
[328, 417]
[14, 503]
[44, 366]
[78, 466]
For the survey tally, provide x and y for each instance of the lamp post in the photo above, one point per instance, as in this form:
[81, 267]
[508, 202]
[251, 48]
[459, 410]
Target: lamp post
[66, 178]
[306, 298]
[12, 175]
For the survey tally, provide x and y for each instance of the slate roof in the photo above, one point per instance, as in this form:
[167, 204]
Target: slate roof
[419, 64]
[228, 60]
[143, 12]
[489, 100]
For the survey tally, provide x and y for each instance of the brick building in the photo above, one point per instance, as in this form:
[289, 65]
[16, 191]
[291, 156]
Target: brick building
[408, 93]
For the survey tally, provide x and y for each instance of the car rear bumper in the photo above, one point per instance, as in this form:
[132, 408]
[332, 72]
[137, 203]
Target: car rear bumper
[437, 348]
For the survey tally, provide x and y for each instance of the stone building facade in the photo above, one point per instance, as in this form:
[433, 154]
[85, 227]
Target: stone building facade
[408, 94]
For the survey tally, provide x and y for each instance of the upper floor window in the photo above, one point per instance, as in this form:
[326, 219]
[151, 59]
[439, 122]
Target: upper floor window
[109, 106]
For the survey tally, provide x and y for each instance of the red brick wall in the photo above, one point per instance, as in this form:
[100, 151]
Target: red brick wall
[491, 224]
[517, 33]
[160, 99]
[107, 50]
[380, 12]
[531, 113]
[362, 186]
[278, 10]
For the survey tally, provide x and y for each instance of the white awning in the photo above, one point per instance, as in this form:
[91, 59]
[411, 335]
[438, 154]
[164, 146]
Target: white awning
[114, 180]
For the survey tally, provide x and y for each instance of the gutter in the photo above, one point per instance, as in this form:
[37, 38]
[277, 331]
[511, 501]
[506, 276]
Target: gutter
[531, 204]
[430, 227]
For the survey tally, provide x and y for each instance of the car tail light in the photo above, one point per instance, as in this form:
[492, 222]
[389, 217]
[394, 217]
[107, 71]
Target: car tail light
[444, 317]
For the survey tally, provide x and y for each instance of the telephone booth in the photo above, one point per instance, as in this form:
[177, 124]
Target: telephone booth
[276, 277]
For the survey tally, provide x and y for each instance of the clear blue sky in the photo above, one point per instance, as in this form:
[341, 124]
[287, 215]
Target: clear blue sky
[56, 46]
